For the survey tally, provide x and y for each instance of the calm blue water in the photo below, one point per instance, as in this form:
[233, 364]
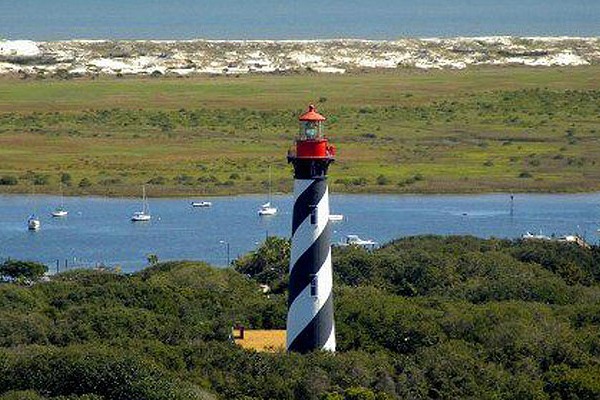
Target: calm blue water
[293, 19]
[98, 229]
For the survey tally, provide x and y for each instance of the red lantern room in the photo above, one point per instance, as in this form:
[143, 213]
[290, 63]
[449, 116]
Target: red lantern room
[311, 142]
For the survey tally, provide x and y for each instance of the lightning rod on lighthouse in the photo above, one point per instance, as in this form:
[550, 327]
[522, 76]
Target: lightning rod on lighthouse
[310, 323]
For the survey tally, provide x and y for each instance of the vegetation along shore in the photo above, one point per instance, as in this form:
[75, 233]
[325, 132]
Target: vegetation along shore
[421, 317]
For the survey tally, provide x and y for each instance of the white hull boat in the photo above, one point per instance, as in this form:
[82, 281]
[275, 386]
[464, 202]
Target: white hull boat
[336, 217]
[201, 204]
[140, 216]
[354, 240]
[60, 213]
[33, 223]
[144, 215]
[267, 209]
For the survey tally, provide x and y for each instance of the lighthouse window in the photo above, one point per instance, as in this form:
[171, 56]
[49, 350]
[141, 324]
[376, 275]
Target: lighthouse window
[313, 286]
[313, 215]
[310, 129]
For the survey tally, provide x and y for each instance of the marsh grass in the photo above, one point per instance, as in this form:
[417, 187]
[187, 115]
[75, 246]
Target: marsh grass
[467, 131]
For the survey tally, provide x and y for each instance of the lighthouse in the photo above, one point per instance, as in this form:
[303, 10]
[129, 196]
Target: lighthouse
[310, 324]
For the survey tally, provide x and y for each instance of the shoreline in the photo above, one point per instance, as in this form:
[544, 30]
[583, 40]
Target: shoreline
[175, 195]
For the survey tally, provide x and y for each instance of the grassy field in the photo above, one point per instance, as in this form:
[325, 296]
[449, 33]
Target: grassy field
[479, 130]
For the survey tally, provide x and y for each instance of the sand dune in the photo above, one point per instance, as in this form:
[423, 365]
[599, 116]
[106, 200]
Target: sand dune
[184, 57]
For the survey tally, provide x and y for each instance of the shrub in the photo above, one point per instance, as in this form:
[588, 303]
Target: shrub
[208, 179]
[525, 174]
[65, 178]
[9, 180]
[362, 181]
[40, 179]
[184, 179]
[85, 183]
[157, 180]
[383, 180]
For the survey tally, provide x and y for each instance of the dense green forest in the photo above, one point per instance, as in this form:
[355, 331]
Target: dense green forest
[420, 318]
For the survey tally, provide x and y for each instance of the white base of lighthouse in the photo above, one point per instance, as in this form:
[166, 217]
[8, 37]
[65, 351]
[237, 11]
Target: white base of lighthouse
[310, 324]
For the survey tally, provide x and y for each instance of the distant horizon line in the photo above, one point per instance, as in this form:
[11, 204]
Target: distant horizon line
[329, 39]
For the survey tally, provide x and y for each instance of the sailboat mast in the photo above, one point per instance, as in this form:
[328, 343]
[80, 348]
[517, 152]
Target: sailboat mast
[145, 206]
[270, 183]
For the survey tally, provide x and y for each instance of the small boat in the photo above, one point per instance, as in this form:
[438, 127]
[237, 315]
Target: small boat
[336, 217]
[201, 204]
[531, 236]
[578, 240]
[144, 215]
[267, 209]
[60, 211]
[354, 240]
[33, 223]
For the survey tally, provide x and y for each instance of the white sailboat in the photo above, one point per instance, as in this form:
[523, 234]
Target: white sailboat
[267, 208]
[60, 211]
[144, 215]
[33, 222]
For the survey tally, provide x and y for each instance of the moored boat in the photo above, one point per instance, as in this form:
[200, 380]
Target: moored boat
[33, 223]
[201, 203]
[336, 217]
[144, 215]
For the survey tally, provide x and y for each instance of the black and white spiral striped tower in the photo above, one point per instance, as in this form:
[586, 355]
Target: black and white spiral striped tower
[310, 324]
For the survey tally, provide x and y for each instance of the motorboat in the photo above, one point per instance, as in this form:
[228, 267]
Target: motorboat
[201, 204]
[336, 217]
[144, 215]
[33, 223]
[531, 236]
[354, 240]
[578, 240]
[267, 209]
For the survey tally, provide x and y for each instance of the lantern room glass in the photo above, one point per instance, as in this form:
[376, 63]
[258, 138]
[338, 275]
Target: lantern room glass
[310, 130]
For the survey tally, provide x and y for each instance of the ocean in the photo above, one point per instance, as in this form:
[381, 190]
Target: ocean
[44, 20]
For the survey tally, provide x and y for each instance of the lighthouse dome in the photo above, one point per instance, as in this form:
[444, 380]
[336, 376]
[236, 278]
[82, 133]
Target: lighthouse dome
[312, 115]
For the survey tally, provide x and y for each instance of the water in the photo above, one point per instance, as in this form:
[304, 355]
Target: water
[98, 230]
[306, 19]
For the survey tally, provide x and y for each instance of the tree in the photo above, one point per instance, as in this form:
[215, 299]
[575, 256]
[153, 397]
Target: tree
[269, 264]
[9, 180]
[22, 270]
[152, 259]
[65, 178]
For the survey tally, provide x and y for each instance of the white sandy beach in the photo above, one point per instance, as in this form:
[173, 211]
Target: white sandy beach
[185, 57]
